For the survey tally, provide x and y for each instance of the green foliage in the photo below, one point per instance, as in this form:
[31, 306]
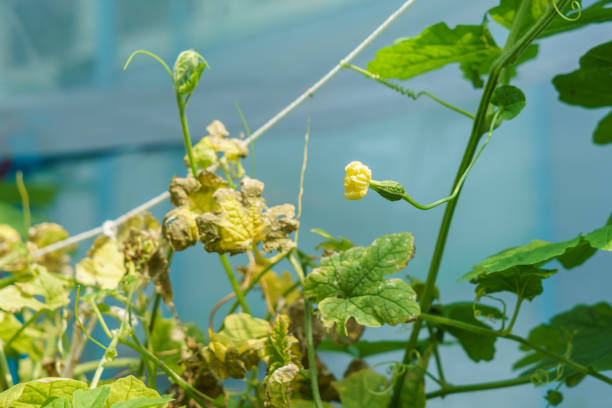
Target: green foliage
[187, 71]
[35, 393]
[478, 347]
[332, 244]
[352, 284]
[603, 132]
[472, 46]
[510, 100]
[364, 388]
[582, 334]
[554, 397]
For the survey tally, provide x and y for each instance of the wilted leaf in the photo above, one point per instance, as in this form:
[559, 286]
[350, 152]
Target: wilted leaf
[584, 330]
[509, 99]
[352, 284]
[33, 394]
[363, 389]
[103, 266]
[477, 346]
[437, 46]
[273, 286]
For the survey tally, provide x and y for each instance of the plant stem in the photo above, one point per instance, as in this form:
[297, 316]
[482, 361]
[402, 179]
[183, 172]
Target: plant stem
[14, 278]
[488, 332]
[6, 380]
[312, 361]
[407, 92]
[198, 396]
[23, 327]
[109, 355]
[25, 201]
[186, 138]
[508, 330]
[234, 282]
[92, 365]
[436, 354]
[456, 389]
[512, 51]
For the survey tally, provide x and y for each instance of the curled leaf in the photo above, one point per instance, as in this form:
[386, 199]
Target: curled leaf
[187, 71]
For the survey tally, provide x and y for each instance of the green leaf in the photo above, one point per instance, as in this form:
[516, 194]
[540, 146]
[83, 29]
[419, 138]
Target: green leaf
[435, 47]
[13, 299]
[243, 327]
[362, 348]
[91, 398]
[525, 281]
[477, 346]
[506, 11]
[48, 286]
[352, 284]
[25, 343]
[187, 71]
[33, 394]
[554, 397]
[603, 132]
[509, 99]
[141, 403]
[590, 85]
[582, 334]
[413, 391]
[333, 244]
[129, 388]
[570, 253]
[56, 402]
[363, 389]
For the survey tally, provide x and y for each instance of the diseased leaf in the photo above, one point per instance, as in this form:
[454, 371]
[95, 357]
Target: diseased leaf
[129, 388]
[590, 85]
[413, 391]
[91, 398]
[470, 45]
[352, 284]
[584, 332]
[44, 284]
[478, 347]
[509, 99]
[33, 394]
[363, 389]
[45, 234]
[273, 286]
[603, 132]
[103, 266]
[13, 299]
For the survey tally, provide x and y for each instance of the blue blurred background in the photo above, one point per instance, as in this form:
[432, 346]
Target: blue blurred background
[95, 141]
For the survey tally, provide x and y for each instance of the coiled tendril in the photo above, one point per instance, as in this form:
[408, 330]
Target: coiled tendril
[575, 6]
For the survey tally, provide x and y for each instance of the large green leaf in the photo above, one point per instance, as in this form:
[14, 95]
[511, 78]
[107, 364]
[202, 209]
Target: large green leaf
[584, 332]
[506, 11]
[590, 85]
[142, 403]
[33, 394]
[352, 284]
[603, 132]
[472, 46]
[524, 280]
[56, 402]
[477, 346]
[363, 389]
[570, 253]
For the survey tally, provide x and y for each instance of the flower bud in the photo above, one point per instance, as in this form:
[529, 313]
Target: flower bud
[389, 189]
[357, 180]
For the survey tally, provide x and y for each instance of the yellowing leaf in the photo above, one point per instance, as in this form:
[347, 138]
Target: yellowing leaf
[33, 394]
[12, 300]
[103, 266]
[274, 286]
[48, 286]
[26, 343]
[128, 388]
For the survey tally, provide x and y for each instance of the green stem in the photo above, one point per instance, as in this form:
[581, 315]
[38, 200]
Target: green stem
[488, 332]
[6, 380]
[508, 330]
[312, 361]
[109, 355]
[14, 278]
[23, 327]
[234, 282]
[512, 52]
[456, 389]
[408, 92]
[92, 365]
[248, 134]
[436, 354]
[25, 201]
[198, 396]
[258, 278]
[186, 138]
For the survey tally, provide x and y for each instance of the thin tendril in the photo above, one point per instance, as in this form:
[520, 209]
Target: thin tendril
[150, 54]
[76, 317]
[575, 6]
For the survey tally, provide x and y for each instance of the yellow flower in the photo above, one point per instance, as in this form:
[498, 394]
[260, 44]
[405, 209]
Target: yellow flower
[357, 180]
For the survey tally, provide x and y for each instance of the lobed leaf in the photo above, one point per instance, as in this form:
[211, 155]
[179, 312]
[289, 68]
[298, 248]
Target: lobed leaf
[352, 284]
[472, 46]
[364, 388]
[95, 398]
[35, 393]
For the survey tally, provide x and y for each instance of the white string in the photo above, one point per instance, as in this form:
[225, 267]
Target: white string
[109, 225]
